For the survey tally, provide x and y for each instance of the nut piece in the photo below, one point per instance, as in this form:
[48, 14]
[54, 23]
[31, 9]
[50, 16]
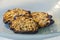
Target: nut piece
[24, 25]
[11, 14]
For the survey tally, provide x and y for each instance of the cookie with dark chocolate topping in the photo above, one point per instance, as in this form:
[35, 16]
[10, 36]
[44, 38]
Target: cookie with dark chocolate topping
[43, 19]
[24, 25]
[11, 14]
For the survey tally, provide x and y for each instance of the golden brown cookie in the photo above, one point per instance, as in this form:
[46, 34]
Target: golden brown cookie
[11, 14]
[24, 25]
[42, 18]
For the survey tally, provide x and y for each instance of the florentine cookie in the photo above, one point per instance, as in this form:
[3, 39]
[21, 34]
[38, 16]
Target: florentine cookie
[10, 14]
[24, 25]
[42, 18]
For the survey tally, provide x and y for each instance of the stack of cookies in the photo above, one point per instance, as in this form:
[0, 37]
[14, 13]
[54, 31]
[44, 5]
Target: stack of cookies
[23, 21]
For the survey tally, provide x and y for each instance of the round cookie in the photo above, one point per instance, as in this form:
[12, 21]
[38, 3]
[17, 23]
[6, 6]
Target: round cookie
[11, 14]
[24, 25]
[42, 18]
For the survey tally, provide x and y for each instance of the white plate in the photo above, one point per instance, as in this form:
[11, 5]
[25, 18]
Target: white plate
[50, 6]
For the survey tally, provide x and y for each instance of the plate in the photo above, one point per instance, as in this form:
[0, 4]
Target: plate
[50, 6]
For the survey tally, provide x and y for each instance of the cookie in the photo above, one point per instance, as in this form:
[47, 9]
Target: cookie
[11, 14]
[43, 19]
[24, 25]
